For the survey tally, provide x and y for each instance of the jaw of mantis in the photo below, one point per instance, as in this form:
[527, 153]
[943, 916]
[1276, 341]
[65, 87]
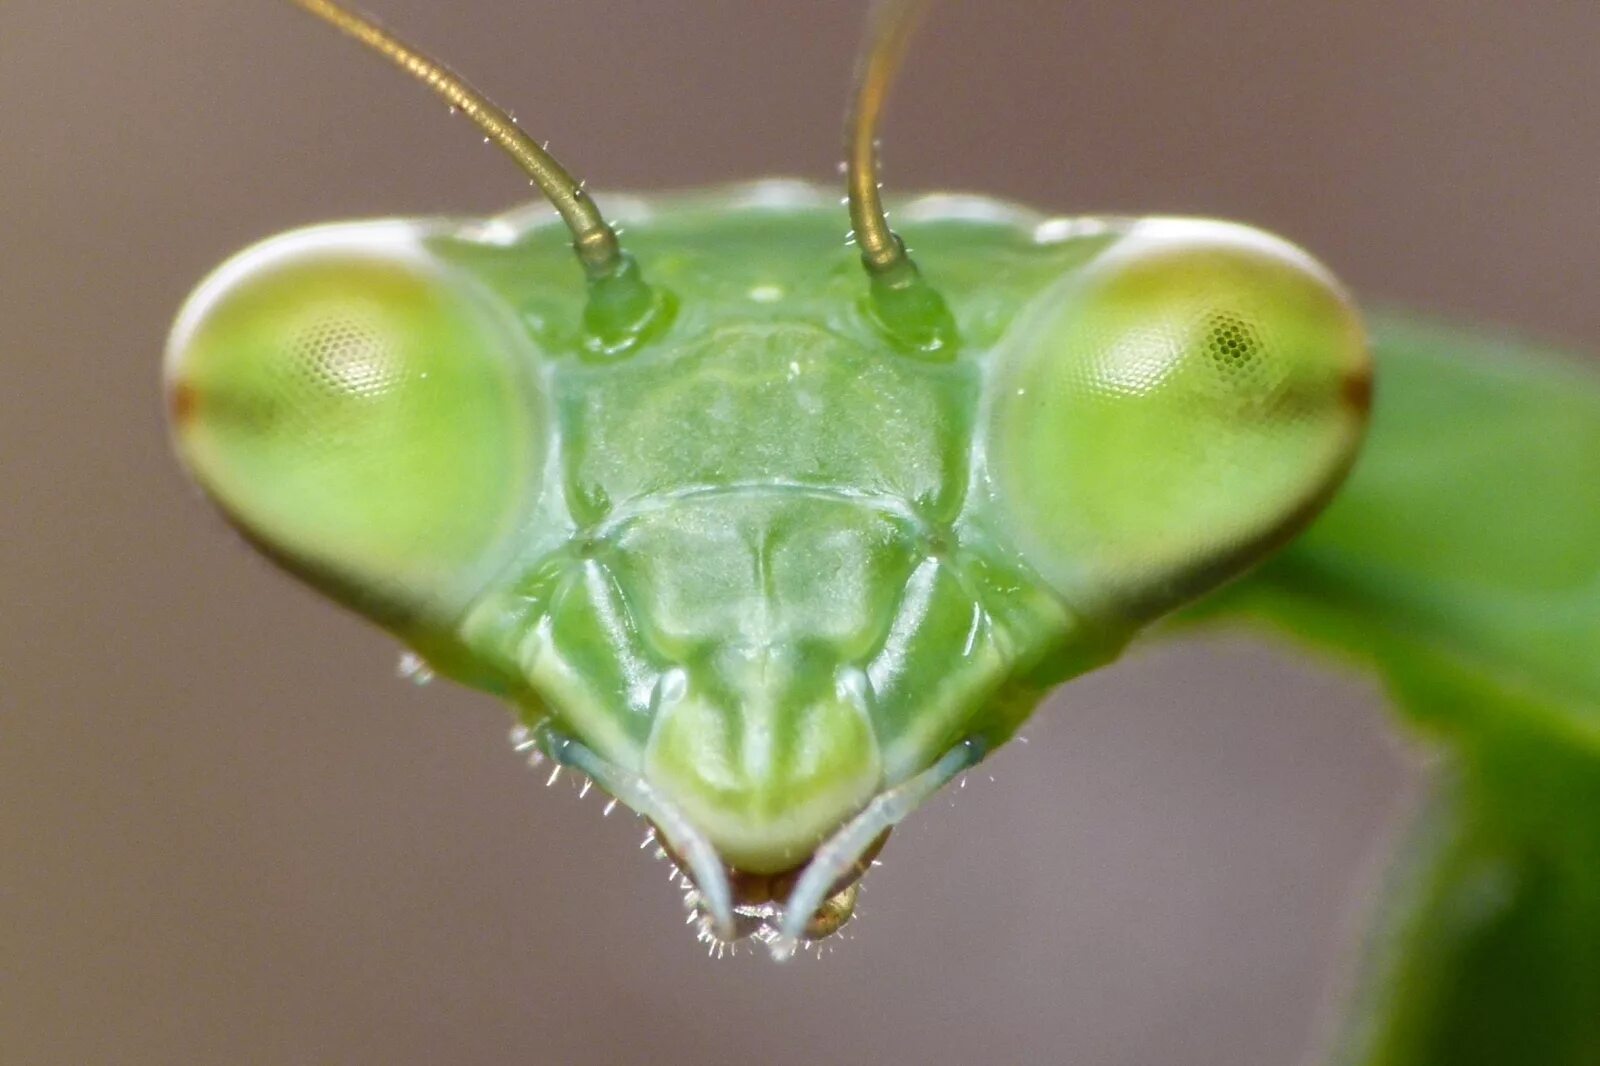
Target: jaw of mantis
[807, 903]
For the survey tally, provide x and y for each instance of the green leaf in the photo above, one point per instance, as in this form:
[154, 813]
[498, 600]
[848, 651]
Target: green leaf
[1490, 951]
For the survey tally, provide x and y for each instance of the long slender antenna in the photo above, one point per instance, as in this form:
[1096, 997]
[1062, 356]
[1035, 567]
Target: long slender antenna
[593, 240]
[889, 29]
[908, 308]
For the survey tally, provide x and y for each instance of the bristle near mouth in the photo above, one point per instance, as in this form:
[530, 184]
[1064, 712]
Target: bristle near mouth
[782, 911]
[689, 847]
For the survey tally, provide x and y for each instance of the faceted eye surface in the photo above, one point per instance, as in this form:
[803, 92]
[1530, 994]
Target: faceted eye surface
[363, 417]
[1173, 411]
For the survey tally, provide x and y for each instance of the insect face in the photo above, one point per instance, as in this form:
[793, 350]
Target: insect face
[770, 577]
[768, 549]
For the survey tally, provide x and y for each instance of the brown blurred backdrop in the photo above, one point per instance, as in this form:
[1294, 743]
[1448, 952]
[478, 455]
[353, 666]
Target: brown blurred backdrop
[228, 835]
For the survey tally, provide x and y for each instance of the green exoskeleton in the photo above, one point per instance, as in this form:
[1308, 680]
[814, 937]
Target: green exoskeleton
[772, 535]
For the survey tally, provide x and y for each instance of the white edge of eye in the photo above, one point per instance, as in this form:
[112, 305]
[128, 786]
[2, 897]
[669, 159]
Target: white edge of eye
[390, 238]
[1175, 233]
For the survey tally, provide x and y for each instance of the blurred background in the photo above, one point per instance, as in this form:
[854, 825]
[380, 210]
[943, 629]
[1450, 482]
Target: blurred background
[228, 834]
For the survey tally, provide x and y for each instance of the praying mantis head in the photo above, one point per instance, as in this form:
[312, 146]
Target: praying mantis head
[768, 534]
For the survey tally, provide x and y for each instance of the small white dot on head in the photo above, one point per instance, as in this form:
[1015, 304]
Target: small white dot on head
[766, 294]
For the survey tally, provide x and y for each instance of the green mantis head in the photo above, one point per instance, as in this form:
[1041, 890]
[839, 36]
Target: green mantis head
[769, 554]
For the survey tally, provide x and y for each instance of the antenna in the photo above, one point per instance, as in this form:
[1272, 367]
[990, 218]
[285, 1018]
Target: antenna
[621, 305]
[908, 308]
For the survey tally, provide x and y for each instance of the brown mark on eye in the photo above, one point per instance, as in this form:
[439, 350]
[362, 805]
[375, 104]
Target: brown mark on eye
[184, 403]
[1356, 390]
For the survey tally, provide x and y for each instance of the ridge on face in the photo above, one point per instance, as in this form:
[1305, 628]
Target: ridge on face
[770, 659]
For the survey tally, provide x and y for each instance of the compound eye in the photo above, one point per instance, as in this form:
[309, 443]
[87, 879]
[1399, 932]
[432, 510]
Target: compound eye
[1173, 411]
[362, 415]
